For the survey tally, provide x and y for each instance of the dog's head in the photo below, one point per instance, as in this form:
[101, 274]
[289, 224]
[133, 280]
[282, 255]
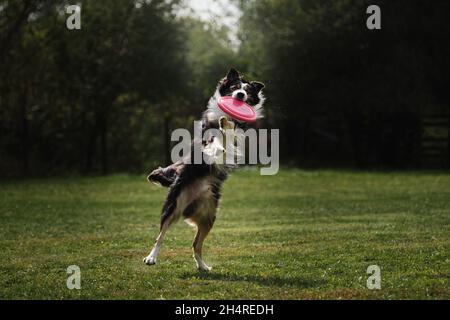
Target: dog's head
[236, 86]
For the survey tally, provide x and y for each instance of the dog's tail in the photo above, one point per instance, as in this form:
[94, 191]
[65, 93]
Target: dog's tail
[162, 177]
[165, 176]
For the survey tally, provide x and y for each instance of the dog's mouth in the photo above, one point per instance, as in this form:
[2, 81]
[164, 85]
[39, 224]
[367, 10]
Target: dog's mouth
[240, 95]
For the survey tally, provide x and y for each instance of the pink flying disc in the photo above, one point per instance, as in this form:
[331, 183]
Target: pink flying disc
[237, 109]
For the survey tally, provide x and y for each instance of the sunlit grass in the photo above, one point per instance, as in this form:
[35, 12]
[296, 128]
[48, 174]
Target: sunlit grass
[296, 235]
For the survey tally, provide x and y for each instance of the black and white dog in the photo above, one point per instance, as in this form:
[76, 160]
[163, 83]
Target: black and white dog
[194, 189]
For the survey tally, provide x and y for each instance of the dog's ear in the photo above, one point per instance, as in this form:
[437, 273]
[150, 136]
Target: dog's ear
[232, 75]
[257, 85]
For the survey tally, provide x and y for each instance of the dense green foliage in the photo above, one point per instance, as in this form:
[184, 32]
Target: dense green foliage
[300, 234]
[337, 88]
[105, 98]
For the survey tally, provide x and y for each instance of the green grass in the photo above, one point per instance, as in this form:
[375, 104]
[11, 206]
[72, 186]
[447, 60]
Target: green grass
[296, 235]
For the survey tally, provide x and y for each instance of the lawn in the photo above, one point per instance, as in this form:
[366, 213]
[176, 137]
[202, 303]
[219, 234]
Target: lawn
[296, 235]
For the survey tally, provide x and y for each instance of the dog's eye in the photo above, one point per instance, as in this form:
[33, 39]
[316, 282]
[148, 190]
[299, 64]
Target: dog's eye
[235, 87]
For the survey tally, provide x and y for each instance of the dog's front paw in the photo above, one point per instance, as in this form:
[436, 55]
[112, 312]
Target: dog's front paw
[149, 260]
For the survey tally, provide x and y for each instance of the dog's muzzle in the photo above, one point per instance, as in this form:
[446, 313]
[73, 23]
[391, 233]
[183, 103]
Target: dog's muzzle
[240, 94]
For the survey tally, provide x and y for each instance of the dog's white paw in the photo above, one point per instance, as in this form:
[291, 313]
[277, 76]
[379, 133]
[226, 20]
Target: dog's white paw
[201, 265]
[204, 267]
[150, 260]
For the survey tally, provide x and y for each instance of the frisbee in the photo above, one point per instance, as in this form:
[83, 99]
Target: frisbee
[237, 109]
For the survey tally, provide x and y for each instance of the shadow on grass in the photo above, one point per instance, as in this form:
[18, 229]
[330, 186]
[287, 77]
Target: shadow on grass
[297, 282]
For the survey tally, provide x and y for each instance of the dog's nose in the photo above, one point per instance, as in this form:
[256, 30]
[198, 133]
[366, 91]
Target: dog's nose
[240, 95]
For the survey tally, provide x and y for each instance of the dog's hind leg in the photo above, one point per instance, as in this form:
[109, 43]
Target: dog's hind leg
[203, 228]
[169, 214]
[151, 258]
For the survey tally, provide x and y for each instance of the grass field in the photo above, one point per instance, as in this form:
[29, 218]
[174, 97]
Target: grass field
[297, 235]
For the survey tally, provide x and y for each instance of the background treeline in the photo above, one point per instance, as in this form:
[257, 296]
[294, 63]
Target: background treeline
[345, 95]
[106, 98]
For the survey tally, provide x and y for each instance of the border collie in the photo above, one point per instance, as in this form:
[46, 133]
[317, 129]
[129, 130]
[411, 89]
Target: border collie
[194, 189]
